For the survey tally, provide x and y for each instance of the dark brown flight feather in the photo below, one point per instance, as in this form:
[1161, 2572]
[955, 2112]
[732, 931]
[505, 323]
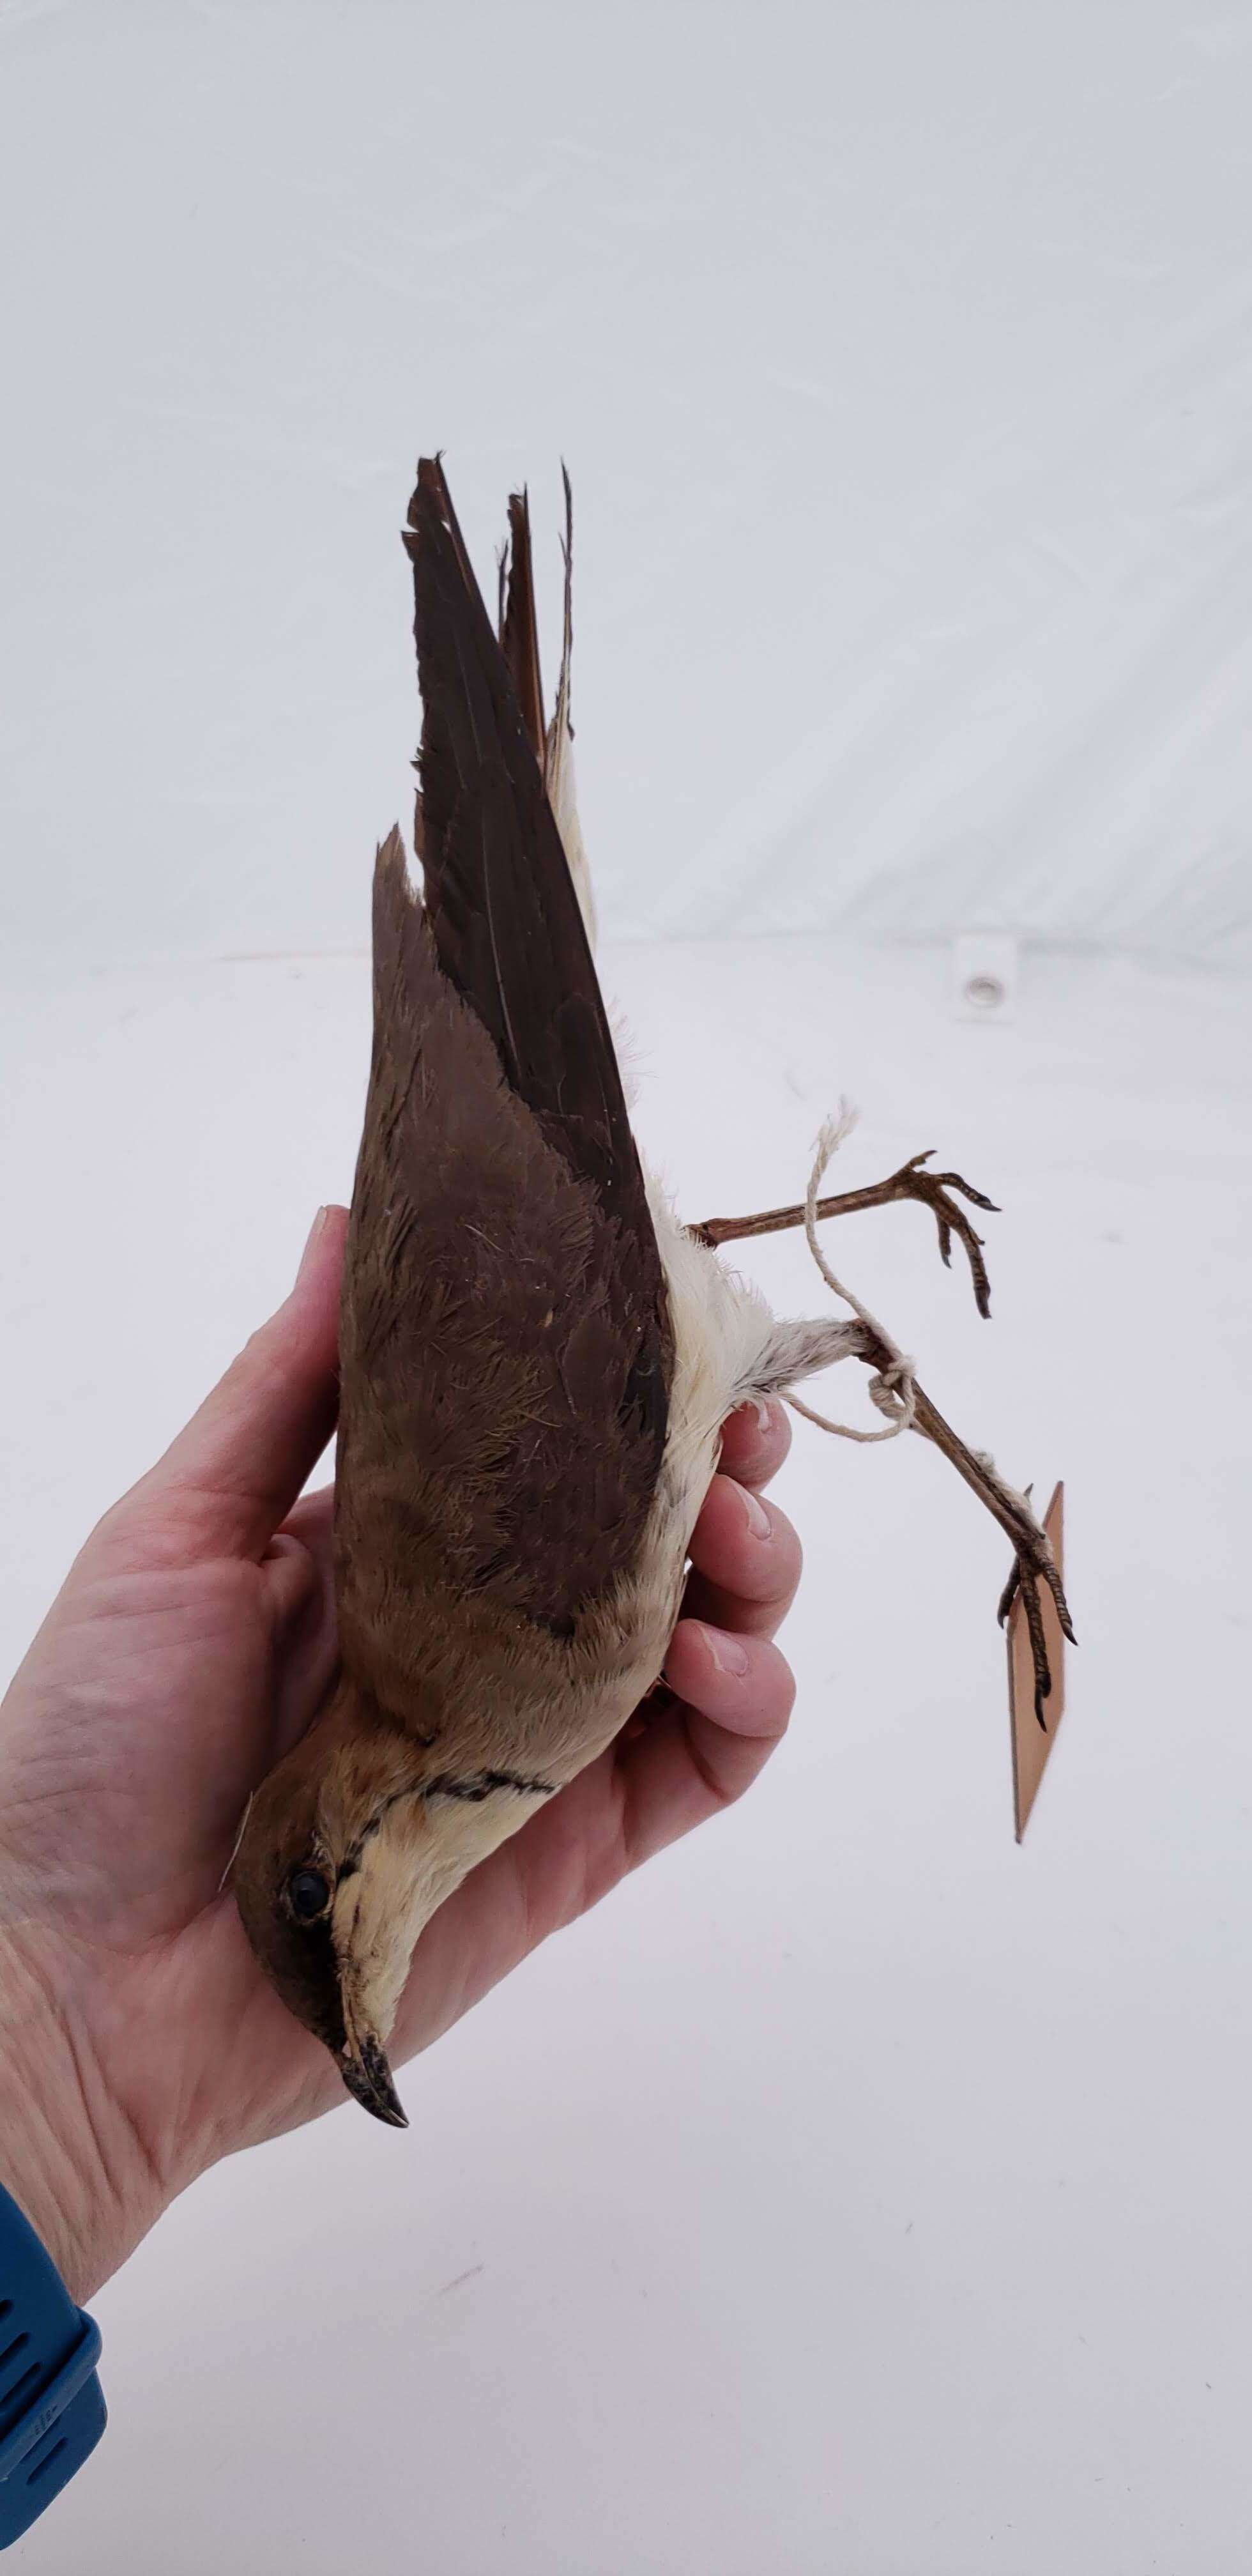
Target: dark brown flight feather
[505, 1348]
[498, 894]
[519, 626]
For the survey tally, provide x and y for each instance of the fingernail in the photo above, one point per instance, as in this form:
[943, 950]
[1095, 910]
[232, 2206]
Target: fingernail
[755, 1514]
[764, 1416]
[728, 1653]
[316, 1230]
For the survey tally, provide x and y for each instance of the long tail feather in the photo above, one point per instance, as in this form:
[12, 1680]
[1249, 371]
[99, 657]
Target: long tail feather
[560, 746]
[519, 628]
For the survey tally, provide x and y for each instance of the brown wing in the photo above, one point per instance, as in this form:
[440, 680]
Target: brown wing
[504, 913]
[490, 1434]
[506, 921]
[505, 1348]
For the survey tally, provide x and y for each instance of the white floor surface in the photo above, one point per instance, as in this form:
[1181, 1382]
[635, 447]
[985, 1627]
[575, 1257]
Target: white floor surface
[854, 2191]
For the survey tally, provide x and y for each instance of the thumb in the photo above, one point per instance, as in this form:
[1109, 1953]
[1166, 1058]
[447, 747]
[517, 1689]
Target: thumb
[232, 1475]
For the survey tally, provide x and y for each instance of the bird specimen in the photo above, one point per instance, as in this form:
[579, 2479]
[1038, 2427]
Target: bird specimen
[537, 1353]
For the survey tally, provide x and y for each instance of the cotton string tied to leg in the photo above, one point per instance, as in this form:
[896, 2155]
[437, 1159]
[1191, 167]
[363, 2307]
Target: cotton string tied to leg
[893, 1388]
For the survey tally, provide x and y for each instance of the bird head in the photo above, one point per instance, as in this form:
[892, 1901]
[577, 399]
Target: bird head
[340, 1863]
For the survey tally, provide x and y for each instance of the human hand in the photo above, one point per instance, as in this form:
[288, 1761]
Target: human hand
[191, 1645]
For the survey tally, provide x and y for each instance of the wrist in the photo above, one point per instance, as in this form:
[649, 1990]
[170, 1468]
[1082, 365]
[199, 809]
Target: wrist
[68, 2155]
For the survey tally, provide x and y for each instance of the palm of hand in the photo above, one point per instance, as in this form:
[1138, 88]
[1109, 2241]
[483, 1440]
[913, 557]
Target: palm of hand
[193, 1642]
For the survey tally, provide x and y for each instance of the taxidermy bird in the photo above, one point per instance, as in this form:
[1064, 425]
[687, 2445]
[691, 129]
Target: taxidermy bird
[537, 1353]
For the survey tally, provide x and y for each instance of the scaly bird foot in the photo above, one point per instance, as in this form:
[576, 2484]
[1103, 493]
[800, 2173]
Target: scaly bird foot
[912, 1181]
[1035, 1564]
[933, 1190]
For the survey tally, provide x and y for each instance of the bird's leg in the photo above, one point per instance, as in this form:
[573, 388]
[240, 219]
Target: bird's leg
[912, 1181]
[1033, 1561]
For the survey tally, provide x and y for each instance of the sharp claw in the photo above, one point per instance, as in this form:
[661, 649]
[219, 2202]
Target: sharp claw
[982, 1286]
[953, 1181]
[945, 1243]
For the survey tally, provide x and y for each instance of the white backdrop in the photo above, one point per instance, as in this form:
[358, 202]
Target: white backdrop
[901, 358]
[855, 2194]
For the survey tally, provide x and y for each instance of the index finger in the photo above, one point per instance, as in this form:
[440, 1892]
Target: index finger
[755, 1441]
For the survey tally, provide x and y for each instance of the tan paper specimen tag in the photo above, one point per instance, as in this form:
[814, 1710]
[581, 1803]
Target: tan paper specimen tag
[1032, 1743]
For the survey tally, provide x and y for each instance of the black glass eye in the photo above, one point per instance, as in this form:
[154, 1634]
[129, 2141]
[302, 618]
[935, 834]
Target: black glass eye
[308, 1894]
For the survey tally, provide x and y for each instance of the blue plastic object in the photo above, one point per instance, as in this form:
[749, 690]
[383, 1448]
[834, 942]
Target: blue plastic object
[52, 2410]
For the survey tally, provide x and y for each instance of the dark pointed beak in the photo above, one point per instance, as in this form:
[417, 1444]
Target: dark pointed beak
[369, 2080]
